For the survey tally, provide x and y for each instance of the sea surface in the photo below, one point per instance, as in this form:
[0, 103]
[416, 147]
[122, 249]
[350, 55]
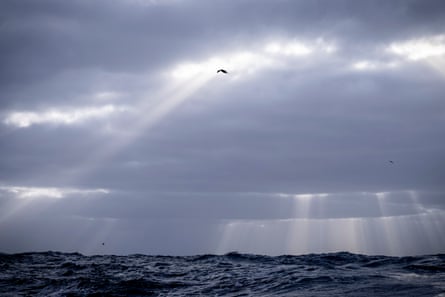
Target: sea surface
[233, 274]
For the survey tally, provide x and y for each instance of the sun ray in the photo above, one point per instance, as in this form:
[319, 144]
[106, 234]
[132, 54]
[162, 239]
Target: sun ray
[149, 114]
[180, 84]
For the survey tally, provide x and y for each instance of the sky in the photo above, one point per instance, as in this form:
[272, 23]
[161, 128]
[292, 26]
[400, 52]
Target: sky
[327, 133]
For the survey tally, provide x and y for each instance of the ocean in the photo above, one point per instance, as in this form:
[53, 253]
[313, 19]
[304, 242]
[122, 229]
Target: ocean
[233, 274]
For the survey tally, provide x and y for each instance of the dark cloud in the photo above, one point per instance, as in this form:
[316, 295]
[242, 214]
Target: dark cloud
[227, 154]
[42, 40]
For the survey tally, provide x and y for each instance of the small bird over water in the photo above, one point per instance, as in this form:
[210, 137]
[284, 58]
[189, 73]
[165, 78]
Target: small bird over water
[222, 70]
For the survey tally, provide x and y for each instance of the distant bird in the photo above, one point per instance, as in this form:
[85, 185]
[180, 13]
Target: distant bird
[103, 243]
[222, 70]
[390, 161]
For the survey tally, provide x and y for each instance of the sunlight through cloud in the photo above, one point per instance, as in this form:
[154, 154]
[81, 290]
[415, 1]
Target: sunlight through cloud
[397, 231]
[24, 119]
[53, 193]
[288, 49]
[107, 96]
[185, 79]
[419, 49]
[367, 65]
[248, 61]
[237, 63]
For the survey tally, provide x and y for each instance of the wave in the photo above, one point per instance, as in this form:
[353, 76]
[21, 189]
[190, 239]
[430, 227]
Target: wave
[232, 274]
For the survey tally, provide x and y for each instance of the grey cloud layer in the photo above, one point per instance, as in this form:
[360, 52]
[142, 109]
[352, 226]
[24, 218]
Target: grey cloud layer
[307, 124]
[42, 39]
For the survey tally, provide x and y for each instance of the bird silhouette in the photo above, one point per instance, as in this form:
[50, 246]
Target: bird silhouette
[222, 70]
[390, 161]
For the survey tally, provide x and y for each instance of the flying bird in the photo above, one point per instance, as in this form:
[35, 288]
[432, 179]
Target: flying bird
[390, 161]
[222, 70]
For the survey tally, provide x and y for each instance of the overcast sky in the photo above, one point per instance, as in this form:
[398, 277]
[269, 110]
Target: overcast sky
[327, 134]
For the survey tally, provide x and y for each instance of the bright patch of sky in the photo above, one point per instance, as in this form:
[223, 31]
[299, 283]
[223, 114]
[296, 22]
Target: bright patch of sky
[23, 119]
[240, 63]
[51, 192]
[419, 48]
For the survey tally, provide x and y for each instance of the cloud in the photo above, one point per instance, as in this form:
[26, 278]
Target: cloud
[366, 65]
[138, 205]
[23, 119]
[373, 223]
[420, 48]
[41, 192]
[296, 139]
[249, 62]
[291, 49]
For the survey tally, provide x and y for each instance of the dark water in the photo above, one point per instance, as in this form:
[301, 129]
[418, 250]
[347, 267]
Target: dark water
[337, 274]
